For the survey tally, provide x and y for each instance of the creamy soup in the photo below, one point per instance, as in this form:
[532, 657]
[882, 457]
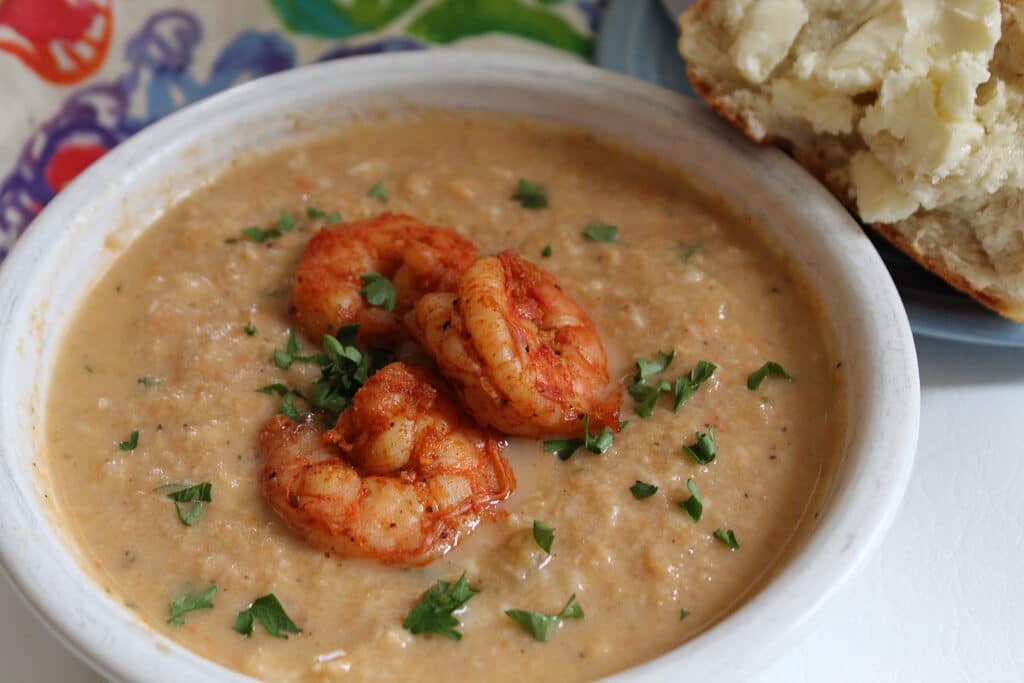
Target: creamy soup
[157, 384]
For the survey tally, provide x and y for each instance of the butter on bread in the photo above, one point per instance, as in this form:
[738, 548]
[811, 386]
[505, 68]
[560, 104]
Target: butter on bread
[911, 111]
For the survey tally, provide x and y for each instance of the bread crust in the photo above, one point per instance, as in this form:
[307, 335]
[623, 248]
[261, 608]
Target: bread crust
[1003, 305]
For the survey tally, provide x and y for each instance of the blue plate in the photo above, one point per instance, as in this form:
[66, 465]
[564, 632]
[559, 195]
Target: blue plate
[638, 38]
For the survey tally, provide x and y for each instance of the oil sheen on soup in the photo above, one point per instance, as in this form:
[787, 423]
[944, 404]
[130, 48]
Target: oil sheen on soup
[156, 387]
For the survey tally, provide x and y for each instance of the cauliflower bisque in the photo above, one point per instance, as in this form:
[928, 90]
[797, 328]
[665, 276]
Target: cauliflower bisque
[656, 531]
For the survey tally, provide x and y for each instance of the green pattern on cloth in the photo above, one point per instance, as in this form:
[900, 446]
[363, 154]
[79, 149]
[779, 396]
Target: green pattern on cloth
[333, 19]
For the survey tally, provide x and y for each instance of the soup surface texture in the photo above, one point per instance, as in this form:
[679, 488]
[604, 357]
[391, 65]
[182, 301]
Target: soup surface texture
[177, 336]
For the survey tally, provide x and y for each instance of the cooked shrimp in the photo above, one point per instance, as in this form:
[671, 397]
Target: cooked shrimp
[417, 258]
[401, 476]
[522, 355]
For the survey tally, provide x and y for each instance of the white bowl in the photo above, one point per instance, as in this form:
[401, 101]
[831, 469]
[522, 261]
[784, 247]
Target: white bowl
[53, 266]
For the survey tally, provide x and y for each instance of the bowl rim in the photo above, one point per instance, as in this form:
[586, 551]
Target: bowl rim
[809, 593]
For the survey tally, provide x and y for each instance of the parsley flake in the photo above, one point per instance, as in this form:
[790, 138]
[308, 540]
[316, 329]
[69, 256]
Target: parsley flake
[91, 369]
[544, 535]
[770, 368]
[255, 233]
[691, 250]
[250, 330]
[646, 396]
[329, 218]
[693, 504]
[601, 232]
[531, 195]
[645, 369]
[378, 192]
[642, 490]
[313, 212]
[269, 612]
[379, 291]
[131, 443]
[595, 443]
[546, 251]
[184, 603]
[686, 385]
[703, 450]
[333, 218]
[683, 613]
[343, 369]
[147, 381]
[434, 612]
[539, 625]
[286, 222]
[196, 495]
[284, 359]
[727, 537]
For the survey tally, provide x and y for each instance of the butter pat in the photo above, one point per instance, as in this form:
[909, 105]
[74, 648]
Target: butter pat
[766, 35]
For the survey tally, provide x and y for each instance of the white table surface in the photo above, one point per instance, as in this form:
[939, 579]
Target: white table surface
[942, 600]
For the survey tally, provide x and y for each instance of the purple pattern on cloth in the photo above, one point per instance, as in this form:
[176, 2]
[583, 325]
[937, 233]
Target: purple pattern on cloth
[101, 115]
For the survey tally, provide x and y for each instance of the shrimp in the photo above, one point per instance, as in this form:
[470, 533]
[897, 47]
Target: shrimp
[401, 476]
[521, 354]
[417, 258]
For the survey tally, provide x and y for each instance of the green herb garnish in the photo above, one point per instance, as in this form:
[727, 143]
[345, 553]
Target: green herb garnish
[378, 192]
[90, 368]
[770, 368]
[434, 612]
[313, 212]
[703, 450]
[333, 218]
[683, 613]
[147, 381]
[284, 359]
[601, 232]
[379, 291]
[131, 442]
[645, 369]
[539, 625]
[546, 251]
[646, 396]
[693, 504]
[544, 535]
[259, 235]
[531, 195]
[196, 495]
[690, 250]
[686, 385]
[642, 490]
[595, 443]
[343, 369]
[250, 329]
[288, 395]
[727, 537]
[269, 612]
[184, 603]
[286, 222]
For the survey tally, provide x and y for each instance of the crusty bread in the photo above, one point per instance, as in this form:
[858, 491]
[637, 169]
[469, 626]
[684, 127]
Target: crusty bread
[966, 225]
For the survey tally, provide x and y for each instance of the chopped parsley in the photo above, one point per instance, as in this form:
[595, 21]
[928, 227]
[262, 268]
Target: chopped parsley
[601, 232]
[546, 251]
[434, 613]
[147, 381]
[287, 394]
[131, 443]
[531, 195]
[379, 291]
[691, 250]
[683, 613]
[770, 368]
[595, 443]
[686, 385]
[250, 329]
[703, 450]
[727, 537]
[646, 396]
[284, 359]
[255, 233]
[544, 535]
[333, 218]
[313, 212]
[196, 495]
[693, 504]
[269, 612]
[90, 368]
[286, 222]
[645, 369]
[642, 490]
[184, 603]
[378, 192]
[329, 218]
[343, 369]
[539, 625]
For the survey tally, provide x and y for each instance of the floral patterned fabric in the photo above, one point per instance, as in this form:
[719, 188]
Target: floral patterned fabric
[79, 76]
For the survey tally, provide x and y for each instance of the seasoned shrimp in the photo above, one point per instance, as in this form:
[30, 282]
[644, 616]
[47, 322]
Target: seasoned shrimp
[417, 258]
[401, 476]
[522, 355]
